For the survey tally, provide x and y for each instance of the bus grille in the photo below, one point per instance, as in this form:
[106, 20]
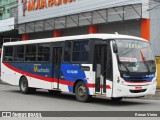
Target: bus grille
[137, 81]
[137, 91]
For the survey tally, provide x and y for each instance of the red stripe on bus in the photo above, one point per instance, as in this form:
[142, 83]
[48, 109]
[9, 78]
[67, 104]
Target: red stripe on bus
[29, 74]
[93, 86]
[64, 82]
[39, 77]
[108, 87]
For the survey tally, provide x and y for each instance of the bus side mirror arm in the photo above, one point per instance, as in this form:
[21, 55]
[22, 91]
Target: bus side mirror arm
[114, 45]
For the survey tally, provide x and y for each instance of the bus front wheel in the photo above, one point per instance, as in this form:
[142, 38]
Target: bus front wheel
[23, 84]
[81, 92]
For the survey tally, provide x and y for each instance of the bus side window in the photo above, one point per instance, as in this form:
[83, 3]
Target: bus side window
[19, 53]
[43, 52]
[8, 53]
[67, 51]
[80, 51]
[30, 53]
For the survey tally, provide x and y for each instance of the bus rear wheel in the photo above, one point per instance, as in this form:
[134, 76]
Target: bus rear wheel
[23, 84]
[81, 92]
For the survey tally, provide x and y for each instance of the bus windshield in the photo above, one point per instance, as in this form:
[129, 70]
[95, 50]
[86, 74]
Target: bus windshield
[135, 56]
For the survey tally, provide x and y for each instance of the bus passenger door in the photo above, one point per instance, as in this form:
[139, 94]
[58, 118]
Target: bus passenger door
[57, 53]
[100, 68]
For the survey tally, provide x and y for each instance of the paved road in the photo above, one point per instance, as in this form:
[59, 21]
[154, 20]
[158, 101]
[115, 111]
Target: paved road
[12, 100]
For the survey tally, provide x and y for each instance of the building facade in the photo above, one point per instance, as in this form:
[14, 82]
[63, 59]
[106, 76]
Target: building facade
[8, 8]
[51, 18]
[8, 21]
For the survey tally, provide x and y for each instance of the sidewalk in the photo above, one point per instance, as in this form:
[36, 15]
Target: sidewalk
[153, 97]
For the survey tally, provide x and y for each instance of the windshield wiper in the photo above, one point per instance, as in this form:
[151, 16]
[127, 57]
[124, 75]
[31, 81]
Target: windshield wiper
[144, 60]
[119, 62]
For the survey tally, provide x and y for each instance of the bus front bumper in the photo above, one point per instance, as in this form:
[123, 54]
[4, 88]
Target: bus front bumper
[134, 91]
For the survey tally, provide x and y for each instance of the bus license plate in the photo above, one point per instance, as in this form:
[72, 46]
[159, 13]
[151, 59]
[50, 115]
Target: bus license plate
[138, 88]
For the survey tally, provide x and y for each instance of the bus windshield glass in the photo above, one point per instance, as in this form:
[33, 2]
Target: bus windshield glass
[135, 56]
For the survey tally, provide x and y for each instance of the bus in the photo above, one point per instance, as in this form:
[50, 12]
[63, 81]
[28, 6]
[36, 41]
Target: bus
[109, 65]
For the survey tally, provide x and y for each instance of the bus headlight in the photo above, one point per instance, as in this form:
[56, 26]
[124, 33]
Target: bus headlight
[120, 81]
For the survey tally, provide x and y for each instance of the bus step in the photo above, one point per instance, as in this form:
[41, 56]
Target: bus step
[99, 94]
[56, 89]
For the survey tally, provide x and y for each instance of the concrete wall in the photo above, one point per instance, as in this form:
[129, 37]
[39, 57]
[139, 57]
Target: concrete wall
[155, 34]
[127, 28]
[75, 31]
[40, 35]
[155, 27]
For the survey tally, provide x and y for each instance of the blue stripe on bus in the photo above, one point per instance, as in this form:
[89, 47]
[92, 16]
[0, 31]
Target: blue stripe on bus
[143, 78]
[72, 72]
[69, 72]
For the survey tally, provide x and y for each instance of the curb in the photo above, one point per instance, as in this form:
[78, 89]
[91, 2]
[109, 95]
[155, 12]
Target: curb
[154, 97]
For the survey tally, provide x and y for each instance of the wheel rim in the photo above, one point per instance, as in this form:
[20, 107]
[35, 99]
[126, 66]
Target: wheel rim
[81, 91]
[23, 85]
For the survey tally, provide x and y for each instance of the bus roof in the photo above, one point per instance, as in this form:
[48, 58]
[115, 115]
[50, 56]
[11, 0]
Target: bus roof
[76, 37]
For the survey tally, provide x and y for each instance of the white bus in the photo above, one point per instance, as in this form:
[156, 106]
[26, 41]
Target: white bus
[110, 65]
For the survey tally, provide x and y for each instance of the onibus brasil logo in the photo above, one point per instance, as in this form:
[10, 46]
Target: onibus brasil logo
[39, 69]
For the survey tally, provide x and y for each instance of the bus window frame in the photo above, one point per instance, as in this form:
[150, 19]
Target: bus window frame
[71, 51]
[3, 61]
[80, 62]
[25, 53]
[14, 54]
[24, 61]
[63, 51]
[49, 61]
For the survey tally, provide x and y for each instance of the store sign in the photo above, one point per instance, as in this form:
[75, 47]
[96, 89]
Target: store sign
[32, 5]
[37, 10]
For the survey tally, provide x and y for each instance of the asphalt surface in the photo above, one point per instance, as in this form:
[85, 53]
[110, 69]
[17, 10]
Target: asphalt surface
[11, 99]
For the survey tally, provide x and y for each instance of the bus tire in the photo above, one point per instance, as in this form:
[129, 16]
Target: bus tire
[117, 99]
[81, 92]
[23, 85]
